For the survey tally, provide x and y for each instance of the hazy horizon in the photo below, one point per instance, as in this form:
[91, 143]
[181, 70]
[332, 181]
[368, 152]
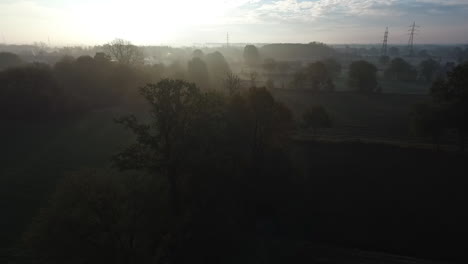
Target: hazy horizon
[185, 23]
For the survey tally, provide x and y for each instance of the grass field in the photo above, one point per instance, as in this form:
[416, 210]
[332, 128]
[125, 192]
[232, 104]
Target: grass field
[381, 114]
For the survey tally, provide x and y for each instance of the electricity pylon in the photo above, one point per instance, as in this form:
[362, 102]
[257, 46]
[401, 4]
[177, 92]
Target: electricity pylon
[383, 51]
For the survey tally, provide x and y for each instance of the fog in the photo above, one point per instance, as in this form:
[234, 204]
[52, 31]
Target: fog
[185, 22]
[239, 131]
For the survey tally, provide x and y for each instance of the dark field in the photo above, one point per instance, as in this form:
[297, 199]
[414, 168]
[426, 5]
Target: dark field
[358, 115]
[379, 197]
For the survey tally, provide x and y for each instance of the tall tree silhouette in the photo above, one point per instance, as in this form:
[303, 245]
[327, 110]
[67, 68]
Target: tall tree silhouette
[362, 76]
[251, 55]
[198, 73]
[124, 52]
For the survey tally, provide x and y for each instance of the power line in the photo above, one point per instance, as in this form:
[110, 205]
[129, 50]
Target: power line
[227, 40]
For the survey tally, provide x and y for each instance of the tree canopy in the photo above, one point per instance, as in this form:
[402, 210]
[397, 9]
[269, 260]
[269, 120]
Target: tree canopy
[124, 52]
[9, 60]
[251, 55]
[362, 76]
[400, 70]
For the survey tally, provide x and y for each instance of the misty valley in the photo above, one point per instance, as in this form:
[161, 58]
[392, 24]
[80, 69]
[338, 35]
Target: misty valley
[233, 153]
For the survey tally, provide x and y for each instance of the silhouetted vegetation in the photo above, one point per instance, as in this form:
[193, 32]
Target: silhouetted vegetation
[124, 52]
[9, 60]
[452, 93]
[429, 69]
[362, 76]
[251, 55]
[32, 93]
[400, 70]
[212, 167]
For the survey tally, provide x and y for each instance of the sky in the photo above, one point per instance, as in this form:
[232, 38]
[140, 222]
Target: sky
[186, 22]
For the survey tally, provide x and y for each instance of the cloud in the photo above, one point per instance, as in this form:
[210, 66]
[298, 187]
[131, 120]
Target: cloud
[156, 21]
[296, 11]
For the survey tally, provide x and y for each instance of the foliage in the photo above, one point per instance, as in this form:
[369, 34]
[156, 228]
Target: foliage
[97, 82]
[194, 138]
[253, 75]
[9, 60]
[124, 52]
[217, 67]
[429, 68]
[198, 54]
[453, 92]
[100, 216]
[251, 55]
[31, 92]
[400, 70]
[232, 83]
[198, 73]
[318, 75]
[362, 76]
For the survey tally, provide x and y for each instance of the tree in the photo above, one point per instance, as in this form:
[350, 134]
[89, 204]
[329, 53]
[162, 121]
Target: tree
[429, 68]
[124, 52]
[163, 147]
[318, 75]
[232, 83]
[251, 55]
[453, 94]
[269, 123]
[31, 93]
[400, 70]
[198, 73]
[198, 54]
[217, 67]
[362, 76]
[253, 75]
[9, 60]
[316, 117]
[98, 82]
[100, 216]
[102, 58]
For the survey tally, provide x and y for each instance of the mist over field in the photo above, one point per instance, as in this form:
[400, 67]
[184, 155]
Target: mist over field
[237, 131]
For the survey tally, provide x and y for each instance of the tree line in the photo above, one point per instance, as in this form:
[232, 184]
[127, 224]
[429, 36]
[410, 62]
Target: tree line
[200, 183]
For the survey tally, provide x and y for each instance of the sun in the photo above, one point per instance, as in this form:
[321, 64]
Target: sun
[146, 21]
